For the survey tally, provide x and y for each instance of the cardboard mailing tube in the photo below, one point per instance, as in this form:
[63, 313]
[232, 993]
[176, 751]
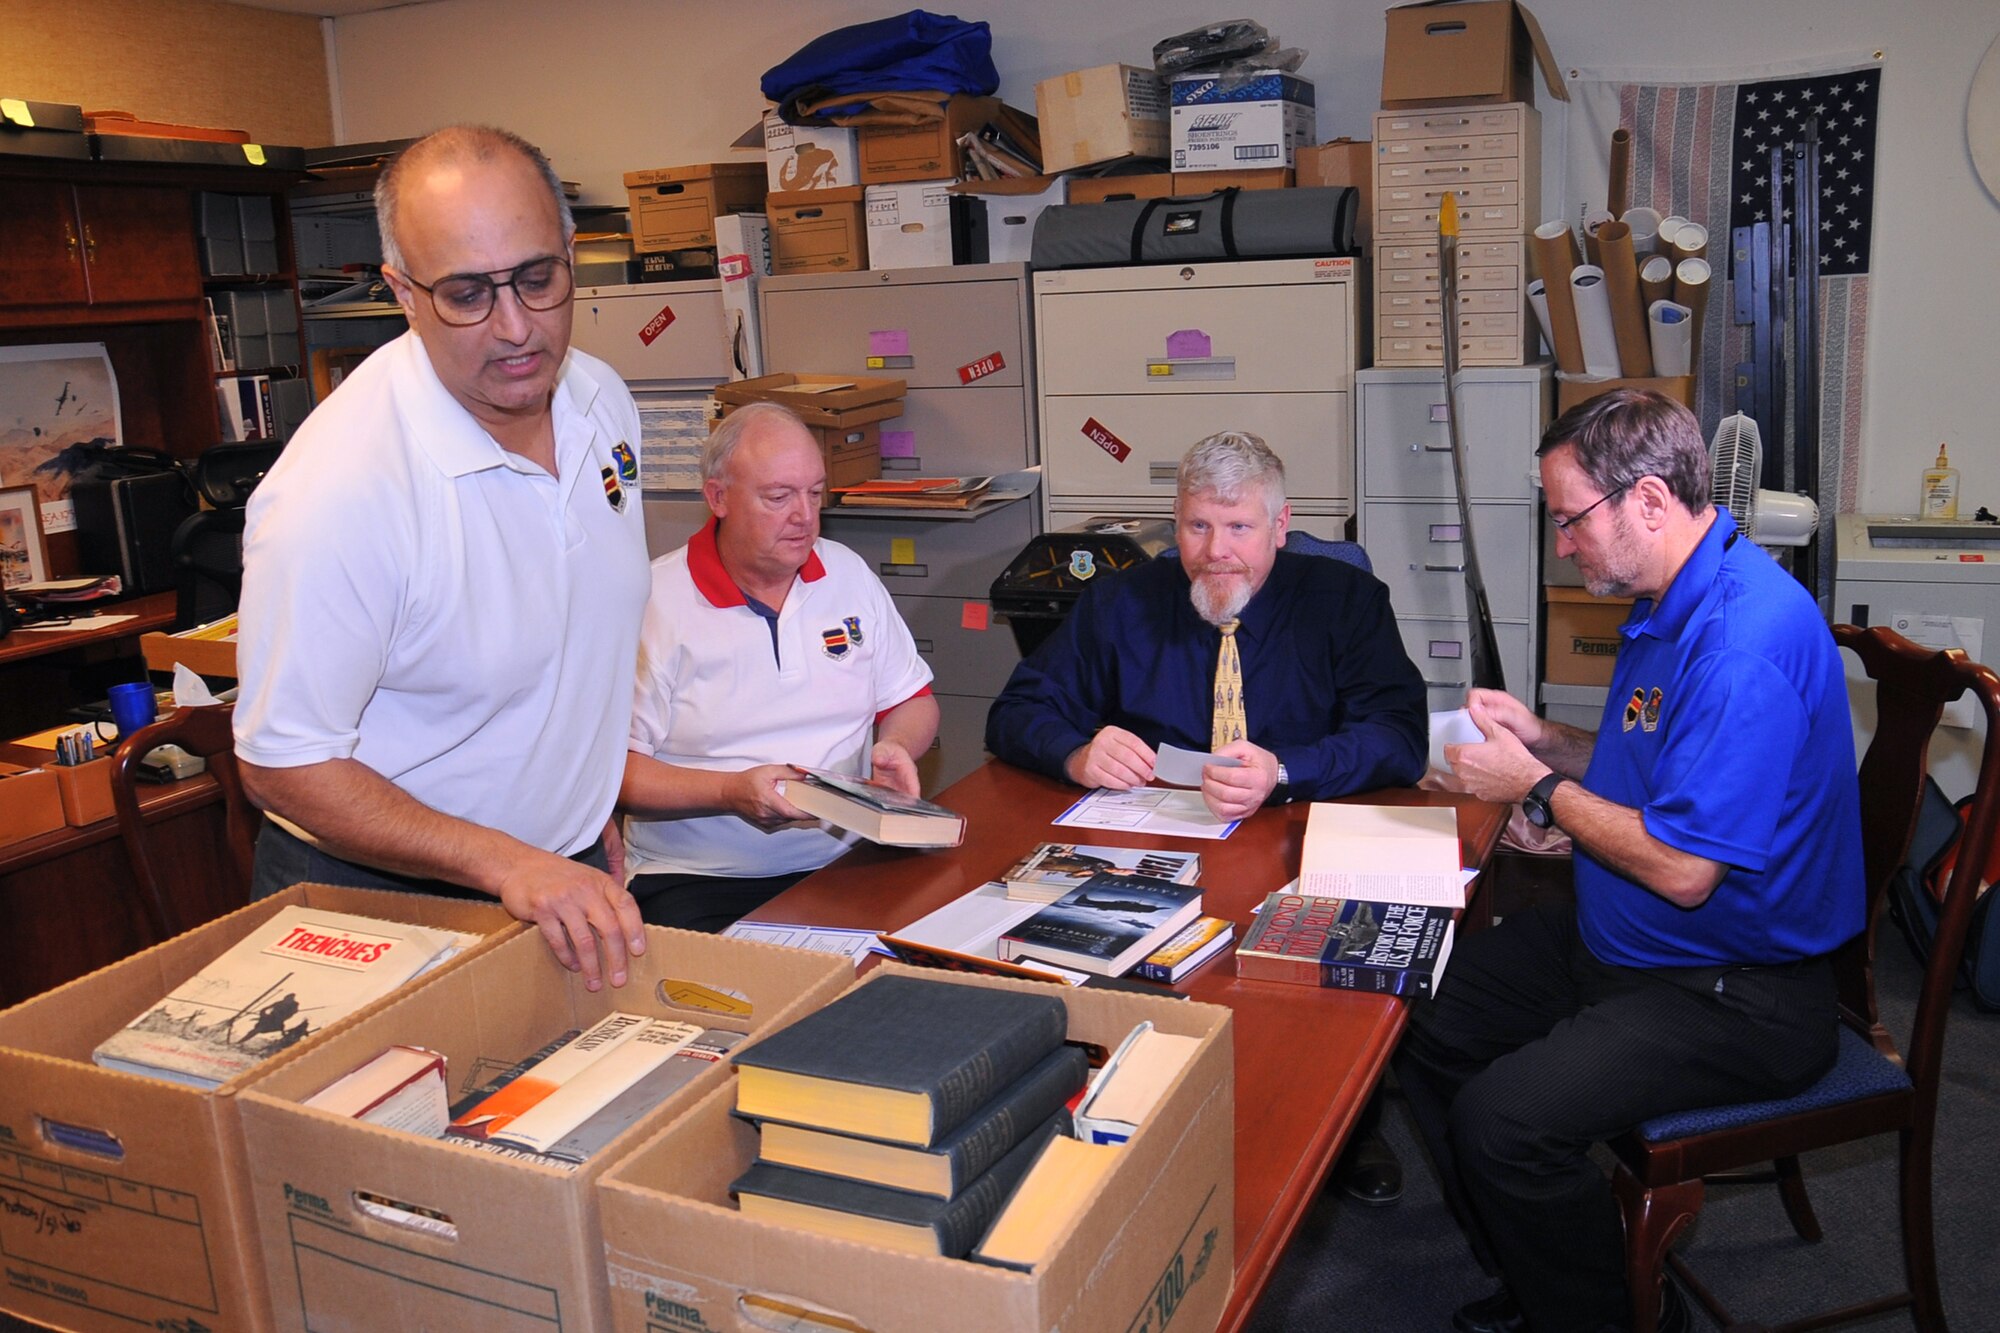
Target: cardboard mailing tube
[1656, 279]
[1691, 290]
[1663, 242]
[1619, 192]
[1671, 327]
[1690, 242]
[1538, 301]
[1591, 222]
[1593, 322]
[1555, 256]
[1645, 225]
[1628, 316]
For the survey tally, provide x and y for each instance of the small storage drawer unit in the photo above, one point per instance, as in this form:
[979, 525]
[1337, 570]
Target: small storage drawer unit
[1490, 159]
[1137, 364]
[961, 339]
[1410, 522]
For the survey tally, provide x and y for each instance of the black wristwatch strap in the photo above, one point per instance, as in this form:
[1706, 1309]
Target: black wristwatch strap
[1540, 801]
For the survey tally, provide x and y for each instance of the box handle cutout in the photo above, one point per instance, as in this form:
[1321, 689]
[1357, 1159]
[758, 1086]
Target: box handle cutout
[408, 1216]
[808, 212]
[1445, 29]
[793, 1316]
[82, 1138]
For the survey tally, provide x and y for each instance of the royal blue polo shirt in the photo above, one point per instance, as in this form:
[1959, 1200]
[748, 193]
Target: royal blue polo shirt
[1727, 729]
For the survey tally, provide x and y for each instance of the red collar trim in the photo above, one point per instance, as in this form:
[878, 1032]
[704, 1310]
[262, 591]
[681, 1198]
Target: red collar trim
[713, 581]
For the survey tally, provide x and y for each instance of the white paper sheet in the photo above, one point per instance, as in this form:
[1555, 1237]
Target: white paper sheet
[1169, 812]
[1453, 728]
[1934, 631]
[1182, 768]
[973, 923]
[856, 944]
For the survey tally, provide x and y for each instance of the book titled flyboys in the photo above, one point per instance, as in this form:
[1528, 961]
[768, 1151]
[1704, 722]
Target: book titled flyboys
[902, 1059]
[1350, 944]
[1104, 925]
[1054, 868]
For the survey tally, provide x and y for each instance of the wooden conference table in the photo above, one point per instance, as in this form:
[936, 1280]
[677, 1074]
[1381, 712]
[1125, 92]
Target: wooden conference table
[1307, 1059]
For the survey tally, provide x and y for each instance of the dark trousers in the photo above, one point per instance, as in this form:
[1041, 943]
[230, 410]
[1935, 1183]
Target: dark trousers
[1534, 1050]
[706, 903]
[285, 859]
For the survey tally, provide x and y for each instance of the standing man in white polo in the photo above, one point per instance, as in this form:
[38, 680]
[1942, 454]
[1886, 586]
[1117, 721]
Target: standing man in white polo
[444, 574]
[763, 647]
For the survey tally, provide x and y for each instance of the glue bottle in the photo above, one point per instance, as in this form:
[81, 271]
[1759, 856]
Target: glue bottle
[1940, 499]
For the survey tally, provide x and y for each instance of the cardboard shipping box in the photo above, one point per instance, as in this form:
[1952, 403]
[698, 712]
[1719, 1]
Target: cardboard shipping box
[123, 1200]
[1570, 392]
[1447, 53]
[887, 153]
[1098, 189]
[818, 231]
[1101, 114]
[844, 419]
[1583, 636]
[808, 157]
[1257, 178]
[674, 208]
[1154, 1249]
[1349, 162]
[1239, 122]
[370, 1228]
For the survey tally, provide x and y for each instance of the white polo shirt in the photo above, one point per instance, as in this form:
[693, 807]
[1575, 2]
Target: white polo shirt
[716, 691]
[421, 600]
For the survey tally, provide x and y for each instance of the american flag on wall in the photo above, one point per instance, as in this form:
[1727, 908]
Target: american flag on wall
[1702, 151]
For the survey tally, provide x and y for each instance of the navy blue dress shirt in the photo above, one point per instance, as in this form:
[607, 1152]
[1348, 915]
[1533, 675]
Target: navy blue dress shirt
[1327, 686]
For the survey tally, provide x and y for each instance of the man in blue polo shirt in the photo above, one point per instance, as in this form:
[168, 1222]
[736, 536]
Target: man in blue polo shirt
[1718, 863]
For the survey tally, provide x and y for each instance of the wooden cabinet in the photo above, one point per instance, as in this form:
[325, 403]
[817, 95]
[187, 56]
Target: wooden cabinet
[42, 261]
[71, 244]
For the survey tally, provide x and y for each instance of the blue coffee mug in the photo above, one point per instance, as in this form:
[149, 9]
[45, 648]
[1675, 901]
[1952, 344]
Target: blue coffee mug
[133, 706]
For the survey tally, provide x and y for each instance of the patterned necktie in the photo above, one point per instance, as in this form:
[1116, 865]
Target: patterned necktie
[1230, 723]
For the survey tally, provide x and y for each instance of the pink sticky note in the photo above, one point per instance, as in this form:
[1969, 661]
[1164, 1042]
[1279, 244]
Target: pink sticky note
[975, 615]
[889, 342]
[899, 444]
[1188, 342]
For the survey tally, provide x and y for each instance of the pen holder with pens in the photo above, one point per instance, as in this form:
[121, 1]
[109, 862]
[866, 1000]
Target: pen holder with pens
[85, 791]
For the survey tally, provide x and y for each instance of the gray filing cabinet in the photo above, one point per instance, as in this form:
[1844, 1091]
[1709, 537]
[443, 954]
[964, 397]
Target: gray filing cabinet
[1409, 519]
[1137, 364]
[960, 338]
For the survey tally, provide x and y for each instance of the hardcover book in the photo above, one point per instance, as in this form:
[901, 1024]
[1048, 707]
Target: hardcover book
[1384, 853]
[284, 981]
[896, 1219]
[1132, 1083]
[1104, 925]
[1055, 1190]
[625, 1110]
[902, 1059]
[402, 1088]
[591, 1089]
[1193, 946]
[876, 813]
[943, 1171]
[1054, 868]
[1351, 944]
[541, 1080]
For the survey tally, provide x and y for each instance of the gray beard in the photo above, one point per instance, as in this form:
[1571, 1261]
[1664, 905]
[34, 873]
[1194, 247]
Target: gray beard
[1216, 600]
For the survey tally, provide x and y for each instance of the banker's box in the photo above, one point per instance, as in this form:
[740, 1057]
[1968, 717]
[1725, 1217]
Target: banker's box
[124, 1200]
[1101, 114]
[1468, 53]
[1013, 207]
[1154, 1249]
[1582, 640]
[1571, 392]
[674, 208]
[808, 157]
[889, 153]
[371, 1228]
[922, 224]
[818, 231]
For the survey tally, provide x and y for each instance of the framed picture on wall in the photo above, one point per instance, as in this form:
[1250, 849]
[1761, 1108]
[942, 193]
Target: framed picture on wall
[23, 558]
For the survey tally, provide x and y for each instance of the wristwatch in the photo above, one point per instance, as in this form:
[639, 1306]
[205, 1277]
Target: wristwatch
[1536, 804]
[1284, 778]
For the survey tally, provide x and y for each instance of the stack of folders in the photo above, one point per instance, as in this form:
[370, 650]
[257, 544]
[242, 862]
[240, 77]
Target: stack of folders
[905, 1113]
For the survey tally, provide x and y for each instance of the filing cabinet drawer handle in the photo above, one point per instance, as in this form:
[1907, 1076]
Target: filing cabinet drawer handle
[904, 571]
[1162, 474]
[1444, 684]
[1444, 448]
[1444, 569]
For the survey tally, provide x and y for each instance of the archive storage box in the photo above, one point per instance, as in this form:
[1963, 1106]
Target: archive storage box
[807, 157]
[1439, 53]
[845, 420]
[371, 1228]
[126, 1198]
[674, 208]
[889, 153]
[818, 231]
[1583, 636]
[1154, 1249]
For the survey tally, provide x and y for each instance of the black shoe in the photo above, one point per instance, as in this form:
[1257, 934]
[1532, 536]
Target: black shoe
[1369, 1173]
[1491, 1314]
[1674, 1314]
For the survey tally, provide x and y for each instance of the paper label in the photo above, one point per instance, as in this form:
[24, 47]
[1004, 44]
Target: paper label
[899, 444]
[975, 615]
[889, 342]
[254, 152]
[1189, 342]
[902, 550]
[980, 369]
[1105, 440]
[657, 325]
[16, 112]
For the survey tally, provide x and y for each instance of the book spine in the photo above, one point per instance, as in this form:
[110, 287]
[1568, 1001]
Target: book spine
[1265, 967]
[965, 1090]
[463, 1106]
[966, 1218]
[1041, 1093]
[1378, 980]
[597, 1085]
[626, 1110]
[497, 1111]
[1163, 972]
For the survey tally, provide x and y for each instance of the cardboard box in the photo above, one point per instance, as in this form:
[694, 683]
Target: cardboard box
[1013, 207]
[1257, 178]
[674, 208]
[1440, 53]
[1101, 114]
[85, 790]
[30, 804]
[871, 398]
[1569, 393]
[125, 1197]
[818, 231]
[42, 129]
[1097, 189]
[1235, 122]
[1582, 642]
[369, 1228]
[1154, 1249]
[921, 224]
[888, 153]
[808, 157]
[743, 260]
[204, 657]
[1349, 162]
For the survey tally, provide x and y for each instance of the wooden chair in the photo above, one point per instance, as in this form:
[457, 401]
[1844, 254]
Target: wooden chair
[199, 731]
[1870, 1090]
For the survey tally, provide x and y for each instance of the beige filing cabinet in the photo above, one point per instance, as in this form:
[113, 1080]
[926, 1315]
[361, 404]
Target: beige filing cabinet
[1410, 522]
[960, 338]
[1489, 158]
[1137, 364]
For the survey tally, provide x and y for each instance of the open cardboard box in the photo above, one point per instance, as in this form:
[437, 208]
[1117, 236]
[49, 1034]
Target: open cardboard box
[204, 657]
[1441, 53]
[482, 1241]
[1155, 1248]
[123, 1200]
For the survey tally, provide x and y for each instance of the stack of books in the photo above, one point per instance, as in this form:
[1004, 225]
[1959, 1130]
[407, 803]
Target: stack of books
[293, 976]
[1054, 868]
[906, 1112]
[1106, 925]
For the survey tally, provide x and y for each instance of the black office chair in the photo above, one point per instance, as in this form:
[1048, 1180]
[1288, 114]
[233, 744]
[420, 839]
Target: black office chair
[207, 552]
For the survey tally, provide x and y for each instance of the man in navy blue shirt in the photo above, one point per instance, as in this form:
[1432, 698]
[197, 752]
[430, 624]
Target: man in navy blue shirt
[1330, 701]
[1715, 818]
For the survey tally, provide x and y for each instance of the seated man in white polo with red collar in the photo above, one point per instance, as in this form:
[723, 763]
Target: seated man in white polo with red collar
[763, 647]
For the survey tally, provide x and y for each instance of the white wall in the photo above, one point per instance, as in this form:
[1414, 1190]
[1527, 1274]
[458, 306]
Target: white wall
[608, 86]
